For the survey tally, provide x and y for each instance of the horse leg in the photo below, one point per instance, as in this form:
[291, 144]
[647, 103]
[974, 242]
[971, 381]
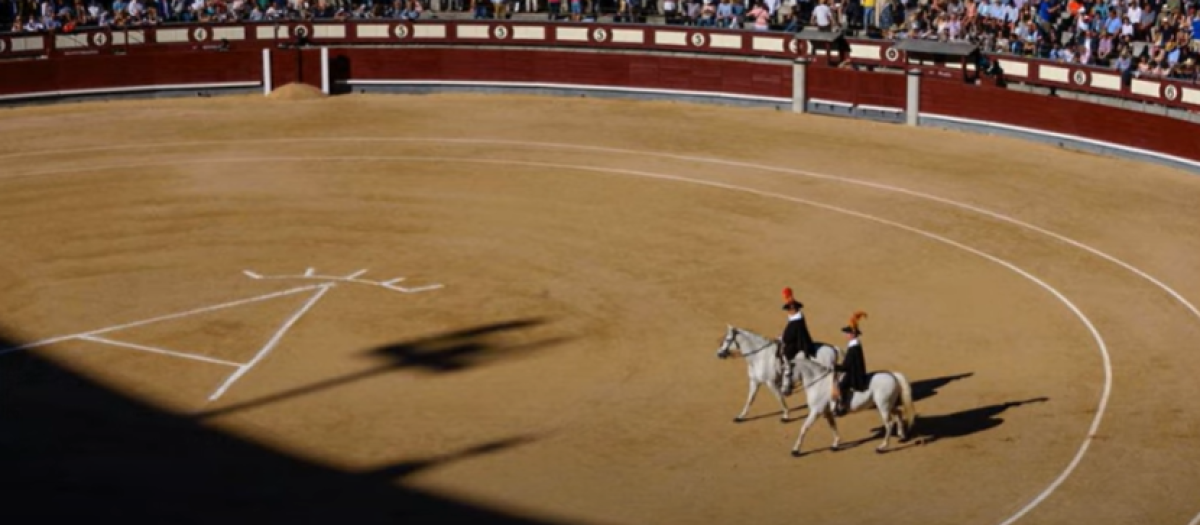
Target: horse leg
[885, 412]
[808, 423]
[898, 417]
[749, 399]
[837, 439]
[782, 401]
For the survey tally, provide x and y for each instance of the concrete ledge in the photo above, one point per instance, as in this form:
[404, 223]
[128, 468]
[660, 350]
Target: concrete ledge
[879, 113]
[830, 107]
[128, 93]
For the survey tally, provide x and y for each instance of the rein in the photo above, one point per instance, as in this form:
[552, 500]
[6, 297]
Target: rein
[752, 352]
[732, 339]
[820, 377]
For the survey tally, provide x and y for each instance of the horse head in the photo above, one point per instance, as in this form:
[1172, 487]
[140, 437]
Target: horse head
[729, 342]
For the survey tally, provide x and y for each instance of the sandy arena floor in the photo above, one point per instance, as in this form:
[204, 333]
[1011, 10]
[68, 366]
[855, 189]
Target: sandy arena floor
[601, 248]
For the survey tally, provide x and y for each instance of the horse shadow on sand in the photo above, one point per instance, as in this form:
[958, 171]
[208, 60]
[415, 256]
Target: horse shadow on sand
[928, 428]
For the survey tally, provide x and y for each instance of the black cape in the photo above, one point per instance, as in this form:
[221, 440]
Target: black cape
[796, 339]
[855, 367]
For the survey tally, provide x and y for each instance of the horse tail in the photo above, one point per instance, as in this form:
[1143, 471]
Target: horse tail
[910, 411]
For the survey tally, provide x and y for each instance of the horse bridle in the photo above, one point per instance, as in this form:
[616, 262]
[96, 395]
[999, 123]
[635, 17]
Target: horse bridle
[732, 339]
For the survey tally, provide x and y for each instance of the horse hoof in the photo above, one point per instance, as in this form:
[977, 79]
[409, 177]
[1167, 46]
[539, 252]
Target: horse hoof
[835, 448]
[738, 420]
[796, 453]
[784, 419]
[880, 451]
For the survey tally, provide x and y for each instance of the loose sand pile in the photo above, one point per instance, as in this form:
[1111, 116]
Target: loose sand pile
[296, 91]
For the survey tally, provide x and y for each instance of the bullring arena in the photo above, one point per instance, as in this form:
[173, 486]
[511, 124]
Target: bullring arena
[505, 308]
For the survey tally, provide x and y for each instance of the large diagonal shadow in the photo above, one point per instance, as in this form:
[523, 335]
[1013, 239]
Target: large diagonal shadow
[443, 353]
[74, 450]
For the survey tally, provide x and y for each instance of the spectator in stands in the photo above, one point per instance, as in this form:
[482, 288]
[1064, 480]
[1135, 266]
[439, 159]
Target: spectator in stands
[670, 11]
[691, 14]
[1124, 62]
[761, 15]
[33, 25]
[136, 10]
[823, 17]
[724, 14]
[553, 9]
[887, 17]
[708, 15]
[479, 9]
[1028, 37]
[633, 10]
[791, 18]
[1105, 49]
[412, 10]
[1186, 70]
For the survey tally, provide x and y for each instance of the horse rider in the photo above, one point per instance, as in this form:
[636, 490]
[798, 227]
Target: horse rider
[795, 337]
[854, 367]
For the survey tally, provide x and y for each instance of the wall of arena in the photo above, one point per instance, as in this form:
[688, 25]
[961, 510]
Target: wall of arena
[670, 62]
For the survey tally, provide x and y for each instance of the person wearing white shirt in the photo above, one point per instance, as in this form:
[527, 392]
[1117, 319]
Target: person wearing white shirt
[136, 9]
[822, 16]
[1134, 13]
[1067, 55]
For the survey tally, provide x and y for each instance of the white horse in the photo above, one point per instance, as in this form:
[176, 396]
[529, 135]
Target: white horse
[888, 391]
[763, 365]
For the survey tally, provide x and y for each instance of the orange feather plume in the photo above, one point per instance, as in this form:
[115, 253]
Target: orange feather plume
[787, 295]
[854, 319]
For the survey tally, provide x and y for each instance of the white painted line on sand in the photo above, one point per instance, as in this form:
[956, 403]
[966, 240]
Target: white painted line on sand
[352, 278]
[266, 349]
[179, 315]
[156, 350]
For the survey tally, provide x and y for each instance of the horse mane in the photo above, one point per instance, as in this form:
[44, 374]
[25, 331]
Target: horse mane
[762, 339]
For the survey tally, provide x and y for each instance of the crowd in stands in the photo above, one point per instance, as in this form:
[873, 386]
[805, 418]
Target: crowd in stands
[1142, 38]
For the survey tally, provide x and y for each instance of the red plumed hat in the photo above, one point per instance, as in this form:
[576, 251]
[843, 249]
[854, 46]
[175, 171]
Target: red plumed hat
[789, 300]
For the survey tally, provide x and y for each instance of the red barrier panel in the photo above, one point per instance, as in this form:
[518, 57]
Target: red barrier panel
[99, 72]
[1082, 119]
[551, 67]
[857, 87]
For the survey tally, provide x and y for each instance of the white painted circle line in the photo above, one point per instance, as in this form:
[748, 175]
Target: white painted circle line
[1105, 393]
[1195, 521]
[994, 215]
